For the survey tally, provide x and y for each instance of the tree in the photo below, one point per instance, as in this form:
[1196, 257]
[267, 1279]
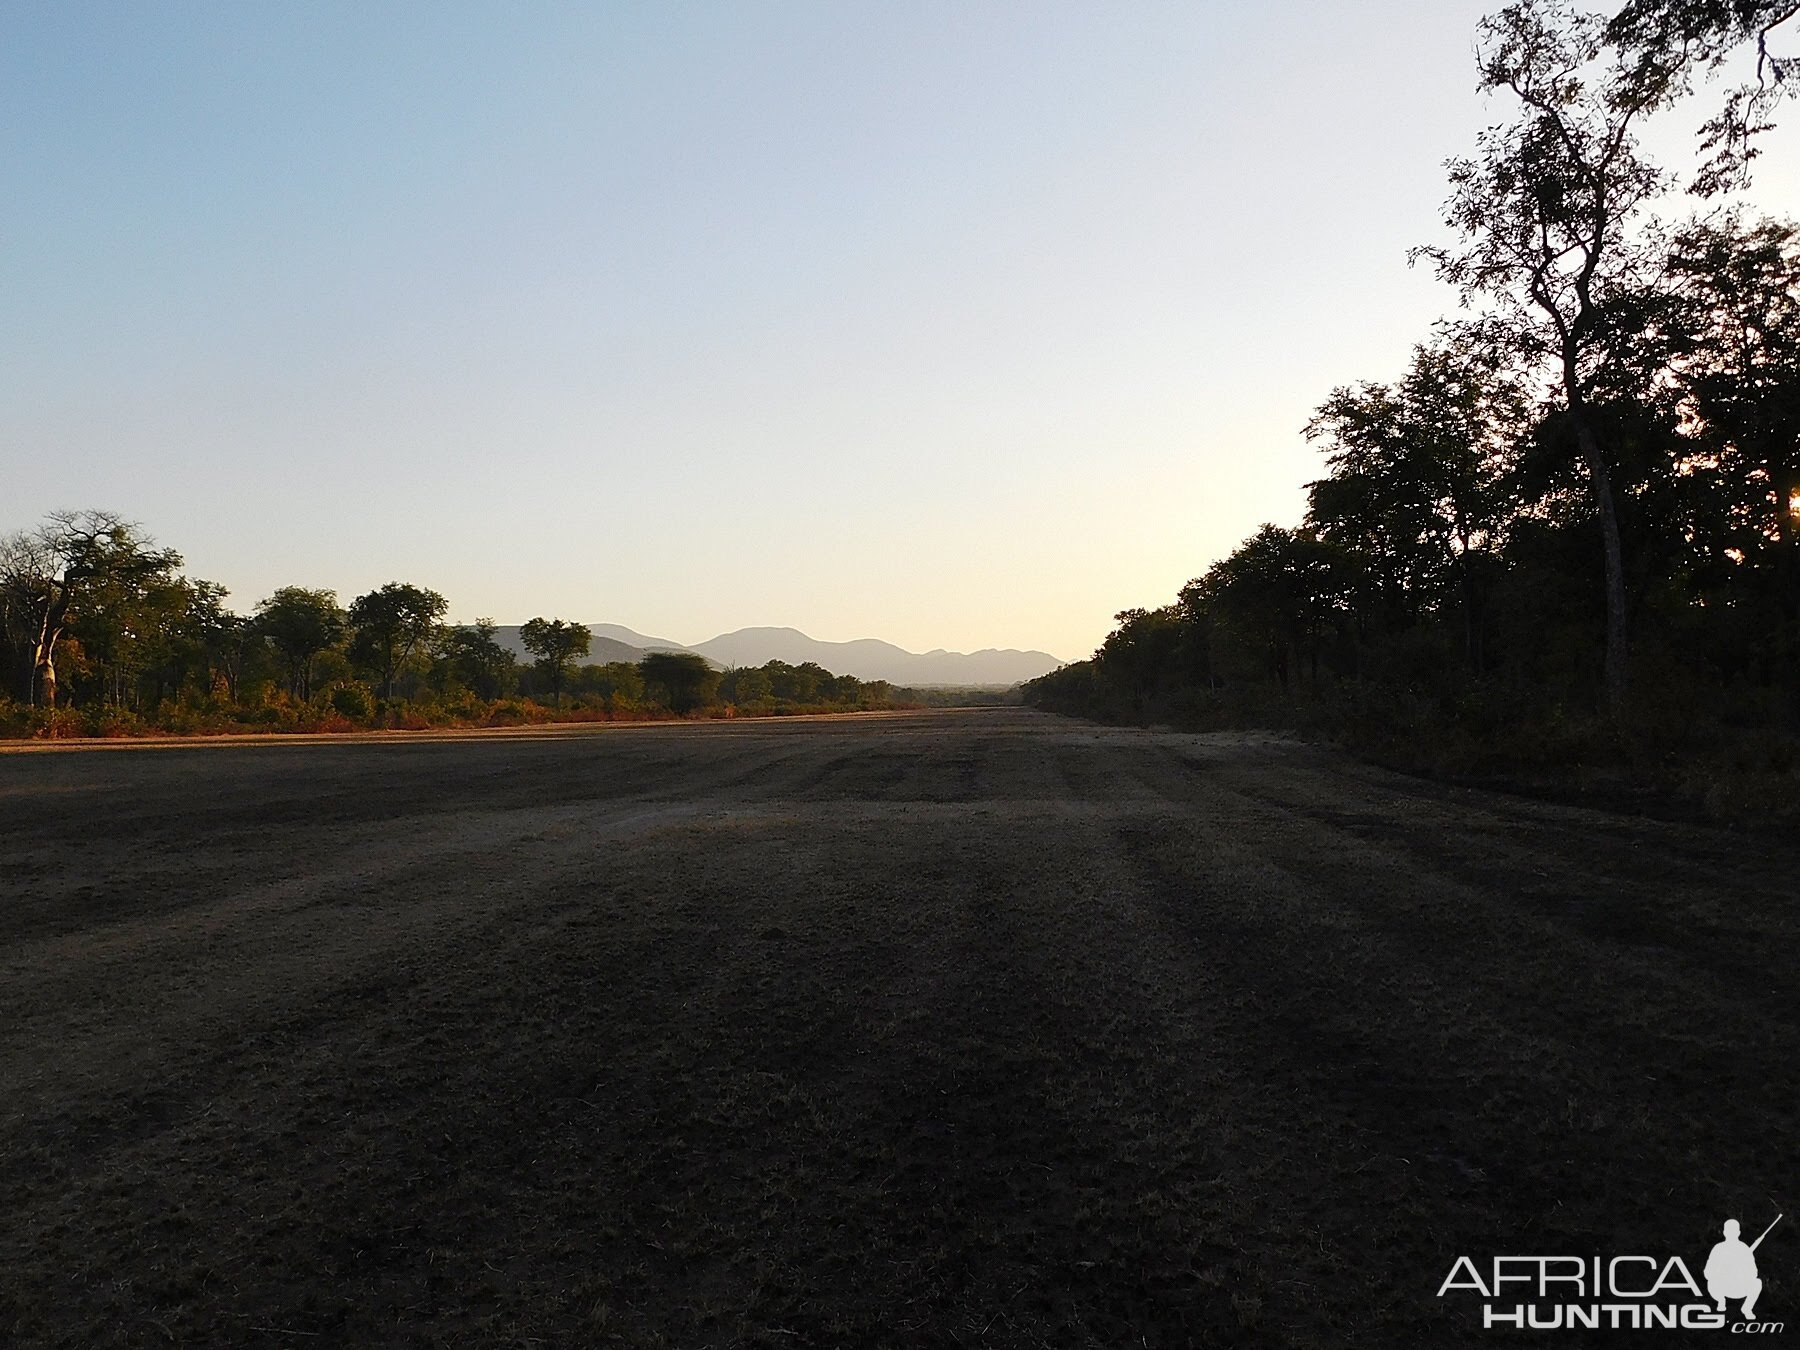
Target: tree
[1685, 34]
[1737, 361]
[130, 620]
[1546, 211]
[222, 638]
[1420, 486]
[555, 643]
[803, 683]
[476, 659]
[1279, 590]
[48, 574]
[392, 623]
[1143, 652]
[1736, 370]
[619, 683]
[300, 624]
[687, 679]
[747, 686]
[844, 689]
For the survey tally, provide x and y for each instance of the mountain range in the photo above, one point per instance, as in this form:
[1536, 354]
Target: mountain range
[865, 658]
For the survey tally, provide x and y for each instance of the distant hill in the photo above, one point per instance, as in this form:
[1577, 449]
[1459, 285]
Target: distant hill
[865, 658]
[618, 632]
[602, 651]
[872, 659]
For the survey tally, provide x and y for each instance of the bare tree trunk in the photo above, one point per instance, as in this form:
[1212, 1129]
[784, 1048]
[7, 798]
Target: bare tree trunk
[1600, 481]
[1472, 619]
[50, 628]
[43, 666]
[43, 683]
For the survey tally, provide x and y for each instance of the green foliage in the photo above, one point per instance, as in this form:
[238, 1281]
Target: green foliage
[683, 682]
[747, 687]
[469, 655]
[87, 570]
[390, 625]
[353, 702]
[556, 644]
[618, 686]
[299, 624]
[138, 647]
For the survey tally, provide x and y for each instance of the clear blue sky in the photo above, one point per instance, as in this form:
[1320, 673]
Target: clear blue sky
[955, 324]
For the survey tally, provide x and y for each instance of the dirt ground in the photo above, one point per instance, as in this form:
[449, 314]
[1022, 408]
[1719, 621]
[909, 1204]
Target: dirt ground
[943, 1029]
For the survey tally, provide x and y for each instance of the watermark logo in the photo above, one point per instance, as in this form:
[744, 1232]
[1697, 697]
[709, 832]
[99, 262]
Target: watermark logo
[1636, 1293]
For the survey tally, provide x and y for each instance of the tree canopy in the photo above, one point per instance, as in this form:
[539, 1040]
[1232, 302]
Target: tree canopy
[1577, 509]
[555, 643]
[300, 624]
[390, 624]
[687, 679]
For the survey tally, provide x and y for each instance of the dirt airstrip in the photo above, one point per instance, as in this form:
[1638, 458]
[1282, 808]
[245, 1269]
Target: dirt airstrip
[945, 1029]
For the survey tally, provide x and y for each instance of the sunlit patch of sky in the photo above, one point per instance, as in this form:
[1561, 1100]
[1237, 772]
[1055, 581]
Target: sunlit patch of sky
[957, 325]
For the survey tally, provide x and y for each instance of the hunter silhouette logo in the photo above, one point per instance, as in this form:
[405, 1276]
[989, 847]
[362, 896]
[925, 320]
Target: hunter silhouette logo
[1731, 1270]
[1637, 1293]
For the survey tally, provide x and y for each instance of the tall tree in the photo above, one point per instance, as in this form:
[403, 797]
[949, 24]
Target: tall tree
[300, 624]
[1279, 590]
[1420, 482]
[1684, 35]
[1547, 211]
[129, 621]
[222, 637]
[48, 574]
[391, 624]
[1143, 652]
[1737, 360]
[555, 643]
[1736, 368]
[746, 685]
[476, 658]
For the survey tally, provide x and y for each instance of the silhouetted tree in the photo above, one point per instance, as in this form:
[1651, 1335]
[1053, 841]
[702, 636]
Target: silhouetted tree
[1141, 655]
[686, 679]
[556, 644]
[1420, 490]
[1280, 589]
[1547, 211]
[1736, 373]
[1686, 35]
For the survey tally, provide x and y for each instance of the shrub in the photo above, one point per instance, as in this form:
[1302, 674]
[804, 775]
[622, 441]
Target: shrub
[352, 701]
[57, 724]
[507, 712]
[15, 719]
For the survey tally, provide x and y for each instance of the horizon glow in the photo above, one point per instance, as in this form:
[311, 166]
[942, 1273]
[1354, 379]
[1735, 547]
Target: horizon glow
[958, 328]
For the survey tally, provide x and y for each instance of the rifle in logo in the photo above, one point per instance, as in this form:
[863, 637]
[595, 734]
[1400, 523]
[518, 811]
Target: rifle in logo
[1765, 1232]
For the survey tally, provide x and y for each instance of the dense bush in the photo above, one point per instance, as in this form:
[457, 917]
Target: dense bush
[352, 702]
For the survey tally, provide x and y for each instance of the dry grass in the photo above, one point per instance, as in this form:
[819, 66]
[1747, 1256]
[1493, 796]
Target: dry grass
[953, 1029]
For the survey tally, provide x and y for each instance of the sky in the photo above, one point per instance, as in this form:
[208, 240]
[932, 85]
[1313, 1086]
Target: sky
[958, 325]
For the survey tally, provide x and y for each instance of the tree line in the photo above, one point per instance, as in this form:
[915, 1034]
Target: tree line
[1580, 501]
[101, 632]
